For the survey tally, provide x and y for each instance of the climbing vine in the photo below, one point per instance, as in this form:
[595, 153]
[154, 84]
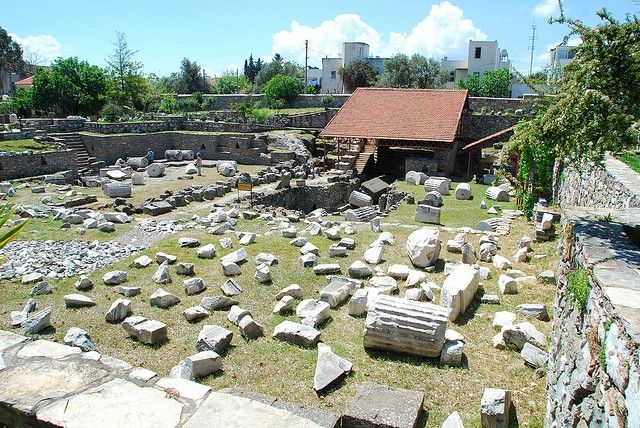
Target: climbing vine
[596, 108]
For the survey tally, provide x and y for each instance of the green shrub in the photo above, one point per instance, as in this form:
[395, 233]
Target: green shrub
[579, 286]
[188, 104]
[327, 101]
[209, 103]
[259, 115]
[168, 104]
[311, 89]
[282, 89]
[112, 112]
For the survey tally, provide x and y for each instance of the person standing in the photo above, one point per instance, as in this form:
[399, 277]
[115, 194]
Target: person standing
[199, 163]
[150, 155]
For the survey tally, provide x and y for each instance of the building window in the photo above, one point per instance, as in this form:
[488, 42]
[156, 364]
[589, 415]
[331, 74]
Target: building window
[333, 74]
[478, 52]
[452, 76]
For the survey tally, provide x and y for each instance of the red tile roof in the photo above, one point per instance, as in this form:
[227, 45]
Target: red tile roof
[400, 114]
[25, 82]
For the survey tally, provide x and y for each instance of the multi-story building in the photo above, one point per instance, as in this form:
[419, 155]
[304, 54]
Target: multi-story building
[559, 57]
[482, 56]
[331, 83]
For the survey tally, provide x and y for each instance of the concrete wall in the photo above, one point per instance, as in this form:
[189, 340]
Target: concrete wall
[215, 147]
[32, 165]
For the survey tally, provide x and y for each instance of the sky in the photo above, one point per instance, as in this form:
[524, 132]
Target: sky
[220, 35]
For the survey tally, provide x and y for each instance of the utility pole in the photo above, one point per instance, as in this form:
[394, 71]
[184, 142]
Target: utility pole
[306, 58]
[532, 47]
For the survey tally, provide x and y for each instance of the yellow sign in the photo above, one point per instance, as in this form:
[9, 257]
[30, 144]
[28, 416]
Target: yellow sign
[245, 186]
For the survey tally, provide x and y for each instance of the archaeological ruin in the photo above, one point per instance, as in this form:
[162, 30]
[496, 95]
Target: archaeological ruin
[357, 267]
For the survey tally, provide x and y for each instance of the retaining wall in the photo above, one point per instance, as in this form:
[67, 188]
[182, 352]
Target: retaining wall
[593, 377]
[610, 185]
[54, 125]
[22, 165]
[309, 198]
[225, 101]
[476, 126]
[594, 369]
[238, 147]
[501, 104]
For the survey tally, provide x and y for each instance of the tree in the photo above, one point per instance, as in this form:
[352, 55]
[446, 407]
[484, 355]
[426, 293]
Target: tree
[128, 86]
[397, 73]
[596, 109]
[281, 90]
[426, 73]
[230, 83]
[191, 79]
[11, 60]
[70, 86]
[492, 84]
[22, 102]
[251, 68]
[419, 72]
[276, 68]
[357, 74]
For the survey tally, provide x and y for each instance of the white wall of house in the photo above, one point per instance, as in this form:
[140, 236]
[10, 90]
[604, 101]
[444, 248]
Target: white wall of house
[559, 58]
[331, 82]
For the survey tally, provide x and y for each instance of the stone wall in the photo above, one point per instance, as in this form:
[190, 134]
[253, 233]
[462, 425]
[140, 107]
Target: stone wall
[225, 101]
[22, 165]
[309, 198]
[54, 125]
[611, 185]
[594, 369]
[476, 126]
[238, 147]
[500, 104]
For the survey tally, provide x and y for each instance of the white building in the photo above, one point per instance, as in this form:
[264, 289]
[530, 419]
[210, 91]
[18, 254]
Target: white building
[482, 56]
[331, 83]
[559, 57]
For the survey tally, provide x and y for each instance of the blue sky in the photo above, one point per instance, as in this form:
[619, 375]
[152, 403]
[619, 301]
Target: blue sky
[220, 35]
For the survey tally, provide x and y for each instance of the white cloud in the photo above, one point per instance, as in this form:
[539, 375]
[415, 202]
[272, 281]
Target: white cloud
[546, 8]
[443, 31]
[45, 46]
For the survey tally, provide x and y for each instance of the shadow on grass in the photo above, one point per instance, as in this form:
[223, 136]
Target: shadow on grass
[415, 360]
[470, 313]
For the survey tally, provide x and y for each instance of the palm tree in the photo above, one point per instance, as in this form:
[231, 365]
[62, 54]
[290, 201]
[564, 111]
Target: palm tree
[7, 235]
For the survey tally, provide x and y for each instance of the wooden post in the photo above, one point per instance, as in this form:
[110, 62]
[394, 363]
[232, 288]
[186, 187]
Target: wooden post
[469, 166]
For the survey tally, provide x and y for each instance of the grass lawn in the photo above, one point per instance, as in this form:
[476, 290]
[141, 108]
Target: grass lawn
[14, 146]
[292, 111]
[286, 371]
[630, 159]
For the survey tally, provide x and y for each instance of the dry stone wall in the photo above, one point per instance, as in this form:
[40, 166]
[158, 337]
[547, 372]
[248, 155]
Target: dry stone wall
[594, 363]
[594, 368]
[611, 185]
[214, 147]
[20, 165]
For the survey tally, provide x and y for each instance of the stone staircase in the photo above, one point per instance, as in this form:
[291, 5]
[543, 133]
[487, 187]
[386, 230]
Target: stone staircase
[74, 141]
[356, 158]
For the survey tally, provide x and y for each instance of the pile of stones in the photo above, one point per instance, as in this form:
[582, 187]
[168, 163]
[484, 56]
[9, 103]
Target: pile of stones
[34, 261]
